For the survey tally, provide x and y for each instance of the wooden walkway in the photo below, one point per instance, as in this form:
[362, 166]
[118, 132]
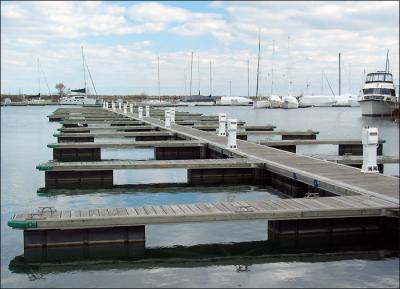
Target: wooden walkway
[148, 164]
[329, 176]
[122, 145]
[277, 209]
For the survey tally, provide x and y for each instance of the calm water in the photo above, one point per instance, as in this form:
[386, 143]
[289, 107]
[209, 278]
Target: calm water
[25, 132]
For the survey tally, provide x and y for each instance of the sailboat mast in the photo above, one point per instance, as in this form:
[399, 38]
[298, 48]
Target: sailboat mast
[84, 71]
[288, 66]
[210, 80]
[272, 67]
[191, 74]
[158, 74]
[248, 78]
[198, 72]
[340, 81]
[258, 64]
[184, 79]
[38, 70]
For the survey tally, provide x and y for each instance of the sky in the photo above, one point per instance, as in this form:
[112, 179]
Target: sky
[122, 42]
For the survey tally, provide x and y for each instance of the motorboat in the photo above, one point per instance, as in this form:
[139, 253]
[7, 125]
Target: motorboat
[378, 95]
[78, 99]
[316, 100]
[290, 102]
[234, 100]
[275, 101]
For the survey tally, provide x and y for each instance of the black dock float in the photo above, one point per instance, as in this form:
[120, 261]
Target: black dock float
[76, 154]
[79, 179]
[86, 236]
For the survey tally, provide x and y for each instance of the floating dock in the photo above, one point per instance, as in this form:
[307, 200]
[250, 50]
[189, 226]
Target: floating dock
[325, 197]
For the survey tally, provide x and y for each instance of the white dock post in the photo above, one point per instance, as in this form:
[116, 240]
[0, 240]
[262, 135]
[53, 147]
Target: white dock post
[172, 110]
[131, 107]
[119, 105]
[125, 107]
[370, 143]
[167, 119]
[222, 124]
[113, 105]
[147, 111]
[140, 112]
[232, 130]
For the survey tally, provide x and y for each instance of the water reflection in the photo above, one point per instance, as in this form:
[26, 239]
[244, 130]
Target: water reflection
[242, 255]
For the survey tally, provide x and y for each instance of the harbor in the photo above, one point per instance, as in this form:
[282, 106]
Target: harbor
[142, 219]
[231, 162]
[220, 144]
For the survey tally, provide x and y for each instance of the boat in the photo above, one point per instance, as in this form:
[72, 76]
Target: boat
[346, 100]
[234, 100]
[260, 102]
[77, 99]
[316, 100]
[80, 96]
[275, 101]
[378, 96]
[290, 102]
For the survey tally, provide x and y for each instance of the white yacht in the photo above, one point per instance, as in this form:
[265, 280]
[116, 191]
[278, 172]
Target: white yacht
[378, 96]
[261, 103]
[275, 101]
[234, 100]
[78, 99]
[290, 102]
[316, 100]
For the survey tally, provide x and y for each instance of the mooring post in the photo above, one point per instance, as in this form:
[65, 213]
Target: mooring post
[232, 130]
[167, 119]
[131, 107]
[119, 105]
[140, 111]
[172, 110]
[125, 108]
[113, 106]
[222, 124]
[147, 111]
[370, 144]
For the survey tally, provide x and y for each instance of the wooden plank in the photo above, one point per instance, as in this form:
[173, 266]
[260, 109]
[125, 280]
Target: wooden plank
[132, 212]
[103, 212]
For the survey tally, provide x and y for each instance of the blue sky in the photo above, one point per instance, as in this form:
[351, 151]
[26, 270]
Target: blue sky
[122, 40]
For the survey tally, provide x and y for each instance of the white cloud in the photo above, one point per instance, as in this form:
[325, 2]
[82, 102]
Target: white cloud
[226, 33]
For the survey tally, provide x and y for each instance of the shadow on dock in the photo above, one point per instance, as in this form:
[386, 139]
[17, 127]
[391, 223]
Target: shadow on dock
[309, 249]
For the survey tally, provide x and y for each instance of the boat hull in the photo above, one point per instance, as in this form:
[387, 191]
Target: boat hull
[376, 107]
[261, 104]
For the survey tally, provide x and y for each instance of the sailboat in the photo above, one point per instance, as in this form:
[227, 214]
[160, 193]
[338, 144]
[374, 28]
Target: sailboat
[196, 97]
[259, 102]
[80, 96]
[289, 101]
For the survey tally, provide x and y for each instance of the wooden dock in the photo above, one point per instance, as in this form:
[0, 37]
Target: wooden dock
[327, 197]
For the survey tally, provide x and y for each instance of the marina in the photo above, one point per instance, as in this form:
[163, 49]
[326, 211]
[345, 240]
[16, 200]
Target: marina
[344, 192]
[200, 145]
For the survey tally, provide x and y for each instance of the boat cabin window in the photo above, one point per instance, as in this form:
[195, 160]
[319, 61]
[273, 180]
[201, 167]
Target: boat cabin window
[385, 91]
[374, 77]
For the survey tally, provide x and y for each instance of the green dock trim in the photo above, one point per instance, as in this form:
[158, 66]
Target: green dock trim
[56, 134]
[43, 168]
[52, 145]
[22, 224]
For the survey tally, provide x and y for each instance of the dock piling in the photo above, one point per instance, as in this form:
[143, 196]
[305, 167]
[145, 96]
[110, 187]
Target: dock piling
[232, 130]
[222, 124]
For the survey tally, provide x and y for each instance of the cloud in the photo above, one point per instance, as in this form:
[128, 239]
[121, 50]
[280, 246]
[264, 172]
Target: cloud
[126, 38]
